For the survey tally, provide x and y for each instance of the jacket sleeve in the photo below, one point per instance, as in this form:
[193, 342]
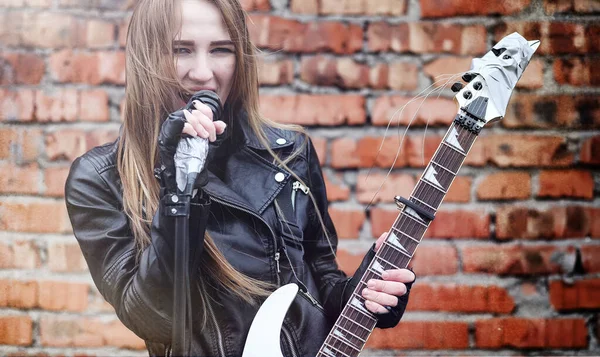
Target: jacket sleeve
[334, 286]
[140, 291]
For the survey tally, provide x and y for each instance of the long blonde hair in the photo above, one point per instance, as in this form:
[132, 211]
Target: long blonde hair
[152, 86]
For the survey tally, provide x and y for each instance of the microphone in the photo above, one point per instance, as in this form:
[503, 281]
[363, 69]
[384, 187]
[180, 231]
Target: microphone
[190, 157]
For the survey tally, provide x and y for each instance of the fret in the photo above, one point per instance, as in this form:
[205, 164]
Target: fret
[350, 322]
[361, 308]
[404, 252]
[349, 332]
[424, 203]
[453, 148]
[449, 158]
[406, 235]
[443, 167]
[345, 341]
[434, 186]
[426, 192]
[407, 226]
[330, 346]
[413, 218]
[392, 264]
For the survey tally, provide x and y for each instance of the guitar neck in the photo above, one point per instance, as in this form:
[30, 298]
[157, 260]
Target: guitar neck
[355, 324]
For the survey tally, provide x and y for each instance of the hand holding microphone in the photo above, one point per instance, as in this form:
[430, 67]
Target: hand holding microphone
[183, 140]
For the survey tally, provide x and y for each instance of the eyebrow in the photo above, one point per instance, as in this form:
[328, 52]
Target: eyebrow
[214, 43]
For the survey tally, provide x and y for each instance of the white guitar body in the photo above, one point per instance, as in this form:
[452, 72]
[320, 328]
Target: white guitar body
[263, 337]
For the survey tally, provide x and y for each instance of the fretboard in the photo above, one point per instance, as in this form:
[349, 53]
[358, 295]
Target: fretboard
[352, 329]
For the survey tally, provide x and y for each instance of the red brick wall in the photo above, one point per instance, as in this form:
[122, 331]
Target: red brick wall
[511, 262]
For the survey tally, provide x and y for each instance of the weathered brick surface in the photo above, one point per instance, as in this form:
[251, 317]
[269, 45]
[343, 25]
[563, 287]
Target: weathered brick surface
[510, 263]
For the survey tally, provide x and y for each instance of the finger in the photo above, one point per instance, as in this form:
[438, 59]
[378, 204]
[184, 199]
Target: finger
[380, 241]
[375, 307]
[204, 109]
[379, 297]
[220, 127]
[387, 287]
[187, 129]
[401, 275]
[194, 121]
[207, 124]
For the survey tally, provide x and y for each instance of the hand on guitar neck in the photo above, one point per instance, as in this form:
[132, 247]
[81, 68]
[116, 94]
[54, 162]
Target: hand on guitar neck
[388, 296]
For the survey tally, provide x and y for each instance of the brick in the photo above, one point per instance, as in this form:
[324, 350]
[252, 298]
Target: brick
[403, 76]
[256, 5]
[577, 71]
[63, 296]
[531, 223]
[349, 261]
[36, 217]
[16, 330]
[19, 255]
[20, 145]
[440, 8]
[344, 153]
[384, 37]
[376, 187]
[349, 7]
[513, 332]
[444, 256]
[569, 183]
[341, 72]
[548, 112]
[420, 150]
[430, 335]
[381, 152]
[99, 34]
[65, 257]
[451, 224]
[533, 77]
[19, 179]
[400, 110]
[66, 144]
[517, 259]
[460, 298]
[552, 7]
[348, 222]
[276, 33]
[320, 145]
[21, 68]
[581, 294]
[505, 186]
[54, 181]
[590, 258]
[60, 105]
[18, 294]
[93, 68]
[326, 110]
[122, 29]
[440, 68]
[527, 151]
[275, 72]
[555, 37]
[94, 106]
[460, 191]
[51, 30]
[63, 331]
[16, 105]
[337, 189]
[590, 151]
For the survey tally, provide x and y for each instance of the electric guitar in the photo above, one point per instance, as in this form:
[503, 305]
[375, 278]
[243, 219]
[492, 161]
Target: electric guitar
[484, 99]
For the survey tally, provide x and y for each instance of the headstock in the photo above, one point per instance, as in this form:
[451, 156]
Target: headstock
[492, 78]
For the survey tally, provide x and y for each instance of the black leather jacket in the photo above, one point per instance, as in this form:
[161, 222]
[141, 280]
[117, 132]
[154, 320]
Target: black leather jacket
[239, 214]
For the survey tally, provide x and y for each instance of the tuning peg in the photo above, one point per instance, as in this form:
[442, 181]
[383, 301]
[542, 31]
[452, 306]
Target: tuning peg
[467, 77]
[456, 87]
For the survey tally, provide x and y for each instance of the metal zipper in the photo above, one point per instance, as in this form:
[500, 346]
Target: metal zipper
[277, 255]
[288, 337]
[297, 185]
[311, 299]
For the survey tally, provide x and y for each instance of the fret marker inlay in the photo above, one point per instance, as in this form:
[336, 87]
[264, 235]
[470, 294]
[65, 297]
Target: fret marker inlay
[393, 239]
[414, 214]
[377, 266]
[328, 352]
[359, 305]
[452, 139]
[430, 177]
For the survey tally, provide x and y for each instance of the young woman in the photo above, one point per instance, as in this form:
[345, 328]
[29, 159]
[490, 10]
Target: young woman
[251, 229]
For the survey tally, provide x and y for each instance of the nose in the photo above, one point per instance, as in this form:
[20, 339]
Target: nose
[201, 71]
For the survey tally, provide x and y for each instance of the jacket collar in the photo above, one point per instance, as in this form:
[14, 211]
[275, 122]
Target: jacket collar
[276, 138]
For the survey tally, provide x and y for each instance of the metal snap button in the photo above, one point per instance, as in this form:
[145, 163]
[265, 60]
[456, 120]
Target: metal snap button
[281, 141]
[279, 177]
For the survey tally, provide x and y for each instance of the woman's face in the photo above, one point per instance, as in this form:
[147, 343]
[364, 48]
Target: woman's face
[204, 52]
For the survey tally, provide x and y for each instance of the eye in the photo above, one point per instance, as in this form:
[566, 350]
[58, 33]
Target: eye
[222, 50]
[181, 50]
